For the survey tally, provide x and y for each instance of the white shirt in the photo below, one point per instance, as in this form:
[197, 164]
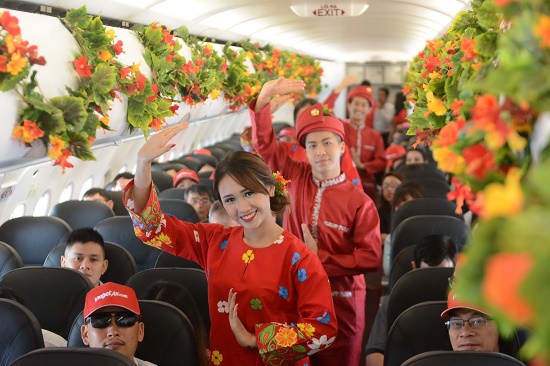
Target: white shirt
[383, 118]
[53, 340]
[142, 362]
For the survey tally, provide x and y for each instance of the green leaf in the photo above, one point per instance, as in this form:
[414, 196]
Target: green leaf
[183, 32]
[104, 78]
[140, 121]
[79, 145]
[79, 17]
[486, 44]
[8, 82]
[153, 36]
[451, 91]
[52, 122]
[74, 112]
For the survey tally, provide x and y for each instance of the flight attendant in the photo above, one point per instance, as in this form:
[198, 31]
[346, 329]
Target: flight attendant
[337, 221]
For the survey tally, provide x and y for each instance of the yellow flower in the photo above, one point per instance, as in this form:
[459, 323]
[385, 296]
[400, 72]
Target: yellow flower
[286, 337]
[9, 43]
[448, 161]
[250, 55]
[542, 29]
[57, 145]
[307, 329]
[435, 105]
[214, 94]
[248, 256]
[17, 64]
[110, 33]
[516, 142]
[217, 357]
[104, 120]
[506, 199]
[105, 55]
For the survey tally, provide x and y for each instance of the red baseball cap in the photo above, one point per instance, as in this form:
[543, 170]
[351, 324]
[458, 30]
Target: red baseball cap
[312, 120]
[454, 302]
[185, 174]
[394, 152]
[363, 92]
[111, 294]
[202, 151]
[288, 132]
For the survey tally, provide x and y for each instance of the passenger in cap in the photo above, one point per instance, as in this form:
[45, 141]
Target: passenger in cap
[366, 144]
[393, 152]
[470, 327]
[186, 178]
[112, 320]
[287, 134]
[336, 221]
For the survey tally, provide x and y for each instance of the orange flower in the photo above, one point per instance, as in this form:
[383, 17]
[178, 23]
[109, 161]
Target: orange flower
[28, 132]
[10, 24]
[504, 274]
[57, 145]
[82, 67]
[542, 29]
[448, 135]
[467, 45]
[156, 124]
[479, 160]
[62, 160]
[118, 47]
[486, 117]
[155, 89]
[16, 64]
[505, 2]
[3, 64]
[448, 161]
[455, 107]
[105, 55]
[124, 72]
[461, 193]
[286, 337]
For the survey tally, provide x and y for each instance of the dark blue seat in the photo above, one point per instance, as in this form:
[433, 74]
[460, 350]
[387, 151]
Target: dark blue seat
[80, 214]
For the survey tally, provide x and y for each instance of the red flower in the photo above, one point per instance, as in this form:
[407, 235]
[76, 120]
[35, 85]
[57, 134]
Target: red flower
[224, 66]
[118, 47]
[448, 135]
[124, 72]
[140, 81]
[10, 24]
[174, 108]
[467, 46]
[82, 67]
[479, 160]
[432, 62]
[461, 194]
[62, 160]
[156, 124]
[199, 62]
[155, 92]
[455, 107]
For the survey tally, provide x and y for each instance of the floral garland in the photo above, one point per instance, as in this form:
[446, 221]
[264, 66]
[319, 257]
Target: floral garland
[280, 184]
[239, 86]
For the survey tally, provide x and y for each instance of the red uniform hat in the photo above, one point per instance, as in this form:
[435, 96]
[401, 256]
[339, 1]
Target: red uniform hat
[312, 120]
[287, 131]
[363, 92]
[453, 302]
[185, 174]
[394, 152]
[111, 294]
[202, 151]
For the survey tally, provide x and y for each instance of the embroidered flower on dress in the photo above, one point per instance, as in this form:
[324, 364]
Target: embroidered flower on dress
[325, 318]
[283, 292]
[223, 244]
[319, 344]
[217, 357]
[256, 304]
[295, 258]
[307, 329]
[197, 237]
[279, 240]
[223, 307]
[130, 204]
[248, 256]
[286, 337]
[302, 275]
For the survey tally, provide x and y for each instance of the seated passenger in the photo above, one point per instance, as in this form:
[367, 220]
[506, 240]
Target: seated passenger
[199, 197]
[112, 320]
[175, 294]
[431, 252]
[185, 178]
[416, 156]
[100, 195]
[51, 339]
[218, 215]
[390, 182]
[85, 252]
[121, 180]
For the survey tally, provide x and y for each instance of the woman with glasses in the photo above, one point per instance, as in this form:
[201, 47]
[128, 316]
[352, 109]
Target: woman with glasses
[269, 297]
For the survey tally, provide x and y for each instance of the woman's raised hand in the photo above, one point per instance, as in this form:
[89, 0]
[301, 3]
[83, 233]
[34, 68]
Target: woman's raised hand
[158, 144]
[282, 86]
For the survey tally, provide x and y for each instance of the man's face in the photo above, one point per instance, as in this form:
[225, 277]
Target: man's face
[86, 258]
[483, 338]
[99, 198]
[358, 110]
[121, 183]
[121, 339]
[201, 204]
[186, 183]
[323, 151]
[382, 97]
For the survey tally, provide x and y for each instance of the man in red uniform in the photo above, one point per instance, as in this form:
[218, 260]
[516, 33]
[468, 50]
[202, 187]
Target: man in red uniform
[337, 221]
[366, 144]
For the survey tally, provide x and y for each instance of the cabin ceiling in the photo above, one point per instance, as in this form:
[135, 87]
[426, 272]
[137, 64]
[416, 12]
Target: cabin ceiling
[390, 30]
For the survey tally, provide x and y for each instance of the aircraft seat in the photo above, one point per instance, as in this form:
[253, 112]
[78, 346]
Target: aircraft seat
[59, 356]
[180, 209]
[167, 260]
[424, 206]
[118, 207]
[79, 214]
[9, 259]
[451, 358]
[162, 180]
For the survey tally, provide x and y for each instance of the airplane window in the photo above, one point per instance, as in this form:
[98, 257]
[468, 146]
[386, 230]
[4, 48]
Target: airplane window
[67, 193]
[42, 205]
[18, 211]
[87, 185]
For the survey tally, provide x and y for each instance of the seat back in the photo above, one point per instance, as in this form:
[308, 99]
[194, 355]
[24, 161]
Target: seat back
[414, 229]
[424, 206]
[173, 193]
[167, 260]
[418, 329]
[121, 265]
[54, 295]
[452, 358]
[432, 187]
[20, 332]
[119, 230]
[34, 237]
[192, 279]
[169, 337]
[118, 206]
[73, 356]
[9, 259]
[79, 214]
[216, 151]
[400, 266]
[424, 284]
[180, 209]
[162, 180]
[209, 184]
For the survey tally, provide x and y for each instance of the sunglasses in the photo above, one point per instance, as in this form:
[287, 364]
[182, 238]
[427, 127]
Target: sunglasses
[124, 319]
